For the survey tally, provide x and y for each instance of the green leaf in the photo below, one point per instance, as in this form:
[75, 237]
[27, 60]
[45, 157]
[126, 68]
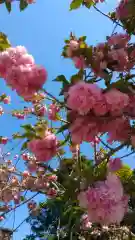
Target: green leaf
[83, 38]
[74, 79]
[89, 52]
[63, 128]
[4, 42]
[82, 45]
[89, 4]
[29, 135]
[108, 78]
[61, 78]
[8, 6]
[67, 138]
[77, 77]
[24, 146]
[28, 127]
[66, 41]
[23, 5]
[22, 198]
[75, 4]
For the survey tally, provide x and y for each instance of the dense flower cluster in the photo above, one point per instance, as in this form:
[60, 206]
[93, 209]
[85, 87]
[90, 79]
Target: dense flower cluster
[91, 111]
[95, 113]
[84, 97]
[114, 54]
[45, 148]
[86, 128]
[125, 9]
[106, 203]
[16, 185]
[20, 72]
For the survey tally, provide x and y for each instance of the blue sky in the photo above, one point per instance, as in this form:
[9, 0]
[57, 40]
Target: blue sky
[42, 29]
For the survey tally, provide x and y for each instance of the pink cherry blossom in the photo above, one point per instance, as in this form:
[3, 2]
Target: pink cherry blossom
[82, 129]
[118, 129]
[122, 11]
[26, 80]
[74, 45]
[85, 223]
[44, 149]
[120, 57]
[79, 62]
[7, 100]
[52, 112]
[105, 203]
[82, 97]
[30, 1]
[116, 101]
[119, 39]
[20, 72]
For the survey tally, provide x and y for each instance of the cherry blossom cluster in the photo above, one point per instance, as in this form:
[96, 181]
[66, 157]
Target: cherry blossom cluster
[125, 9]
[14, 183]
[106, 202]
[20, 72]
[116, 54]
[22, 114]
[98, 231]
[94, 111]
[45, 148]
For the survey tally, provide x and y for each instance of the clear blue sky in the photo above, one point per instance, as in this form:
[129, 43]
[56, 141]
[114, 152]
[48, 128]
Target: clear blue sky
[42, 29]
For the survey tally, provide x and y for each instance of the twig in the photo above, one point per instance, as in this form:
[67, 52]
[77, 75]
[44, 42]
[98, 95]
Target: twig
[20, 224]
[112, 151]
[19, 205]
[106, 15]
[114, 28]
[105, 144]
[127, 155]
[53, 98]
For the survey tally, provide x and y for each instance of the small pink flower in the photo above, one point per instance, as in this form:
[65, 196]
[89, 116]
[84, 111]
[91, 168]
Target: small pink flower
[25, 156]
[120, 57]
[96, 141]
[52, 112]
[25, 174]
[119, 39]
[1, 218]
[40, 110]
[122, 11]
[7, 100]
[4, 140]
[1, 111]
[52, 192]
[52, 178]
[79, 62]
[74, 45]
[30, 1]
